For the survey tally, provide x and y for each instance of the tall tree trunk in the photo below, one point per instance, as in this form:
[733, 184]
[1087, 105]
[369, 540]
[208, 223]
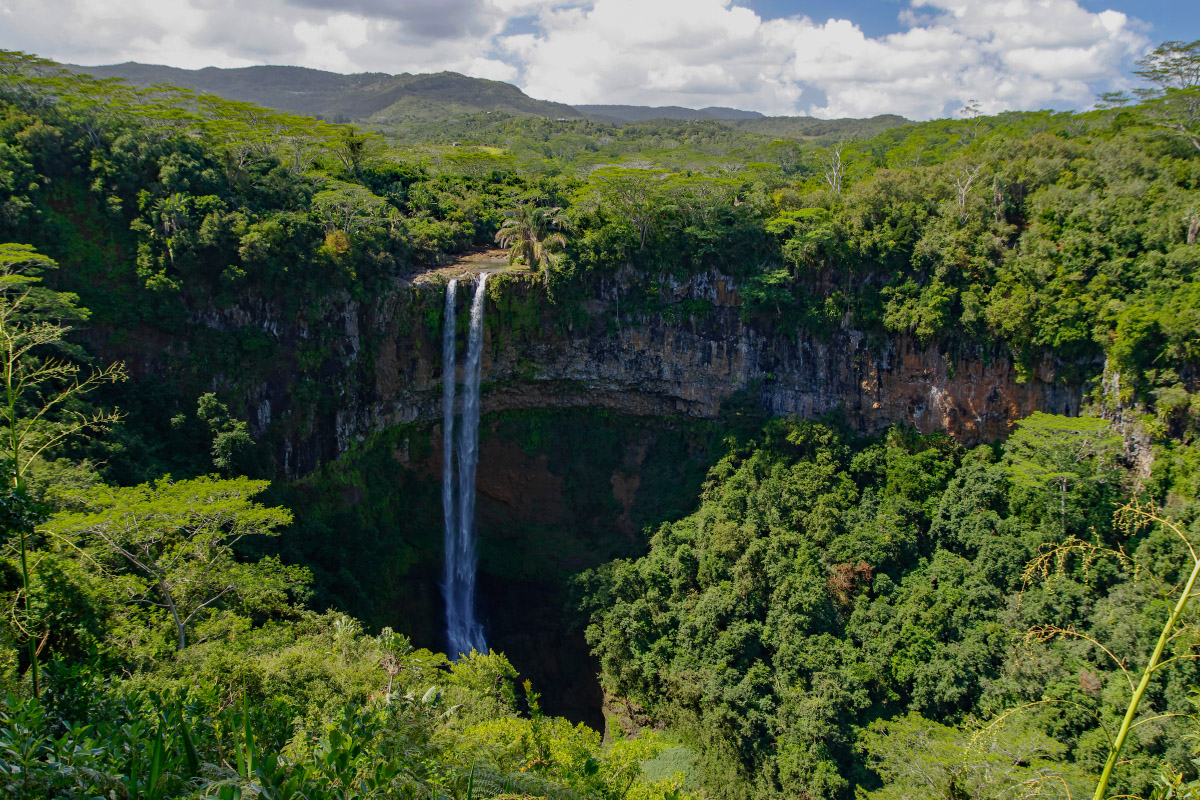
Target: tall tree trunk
[180, 641]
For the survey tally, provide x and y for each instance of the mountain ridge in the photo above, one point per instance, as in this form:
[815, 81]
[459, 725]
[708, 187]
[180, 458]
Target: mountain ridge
[368, 96]
[382, 97]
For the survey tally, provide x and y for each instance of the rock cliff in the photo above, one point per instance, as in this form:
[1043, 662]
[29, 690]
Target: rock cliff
[386, 370]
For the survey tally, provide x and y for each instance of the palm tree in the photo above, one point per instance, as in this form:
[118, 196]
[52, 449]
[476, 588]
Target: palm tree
[530, 232]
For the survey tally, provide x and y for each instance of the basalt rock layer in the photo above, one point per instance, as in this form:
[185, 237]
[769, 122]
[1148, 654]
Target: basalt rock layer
[360, 366]
[385, 369]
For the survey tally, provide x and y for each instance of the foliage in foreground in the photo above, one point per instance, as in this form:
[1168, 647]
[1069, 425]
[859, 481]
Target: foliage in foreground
[310, 709]
[185, 669]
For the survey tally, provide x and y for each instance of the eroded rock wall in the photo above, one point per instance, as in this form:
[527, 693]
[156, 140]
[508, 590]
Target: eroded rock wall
[647, 365]
[382, 367]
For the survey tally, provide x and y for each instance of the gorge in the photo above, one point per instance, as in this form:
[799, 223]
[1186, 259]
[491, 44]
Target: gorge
[784, 483]
[648, 386]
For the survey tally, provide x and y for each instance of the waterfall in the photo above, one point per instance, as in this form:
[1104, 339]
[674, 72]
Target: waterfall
[448, 582]
[463, 631]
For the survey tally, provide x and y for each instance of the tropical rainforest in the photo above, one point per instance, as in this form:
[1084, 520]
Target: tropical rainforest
[205, 596]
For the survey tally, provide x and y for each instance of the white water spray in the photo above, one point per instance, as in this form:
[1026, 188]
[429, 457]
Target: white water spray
[448, 324]
[462, 630]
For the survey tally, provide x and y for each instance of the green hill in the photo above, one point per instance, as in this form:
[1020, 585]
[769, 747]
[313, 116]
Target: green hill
[384, 99]
[369, 95]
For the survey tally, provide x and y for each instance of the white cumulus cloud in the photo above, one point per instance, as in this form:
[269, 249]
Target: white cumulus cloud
[1007, 54]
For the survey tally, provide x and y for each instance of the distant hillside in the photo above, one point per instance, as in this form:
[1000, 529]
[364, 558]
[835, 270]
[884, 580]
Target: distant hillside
[384, 99]
[642, 113]
[822, 131]
[373, 96]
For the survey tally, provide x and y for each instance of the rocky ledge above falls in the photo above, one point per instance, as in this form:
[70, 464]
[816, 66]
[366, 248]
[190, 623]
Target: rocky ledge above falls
[655, 364]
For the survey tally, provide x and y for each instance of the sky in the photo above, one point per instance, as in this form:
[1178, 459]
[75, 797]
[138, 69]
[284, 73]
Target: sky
[922, 59]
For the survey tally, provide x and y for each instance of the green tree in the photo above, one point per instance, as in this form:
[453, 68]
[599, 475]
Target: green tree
[42, 384]
[919, 759]
[633, 195]
[348, 207]
[531, 232]
[786, 153]
[232, 447]
[170, 545]
[479, 163]
[357, 150]
[1174, 98]
[1052, 451]
[807, 235]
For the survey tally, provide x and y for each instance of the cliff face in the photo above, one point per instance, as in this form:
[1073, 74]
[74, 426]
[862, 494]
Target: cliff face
[668, 363]
[359, 367]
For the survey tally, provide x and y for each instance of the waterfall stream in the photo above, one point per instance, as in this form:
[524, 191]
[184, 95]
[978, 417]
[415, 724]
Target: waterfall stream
[463, 632]
[451, 522]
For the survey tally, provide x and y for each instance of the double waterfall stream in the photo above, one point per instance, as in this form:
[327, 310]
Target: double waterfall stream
[463, 631]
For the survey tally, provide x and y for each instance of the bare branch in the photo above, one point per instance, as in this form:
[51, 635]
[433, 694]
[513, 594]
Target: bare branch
[835, 168]
[1045, 633]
